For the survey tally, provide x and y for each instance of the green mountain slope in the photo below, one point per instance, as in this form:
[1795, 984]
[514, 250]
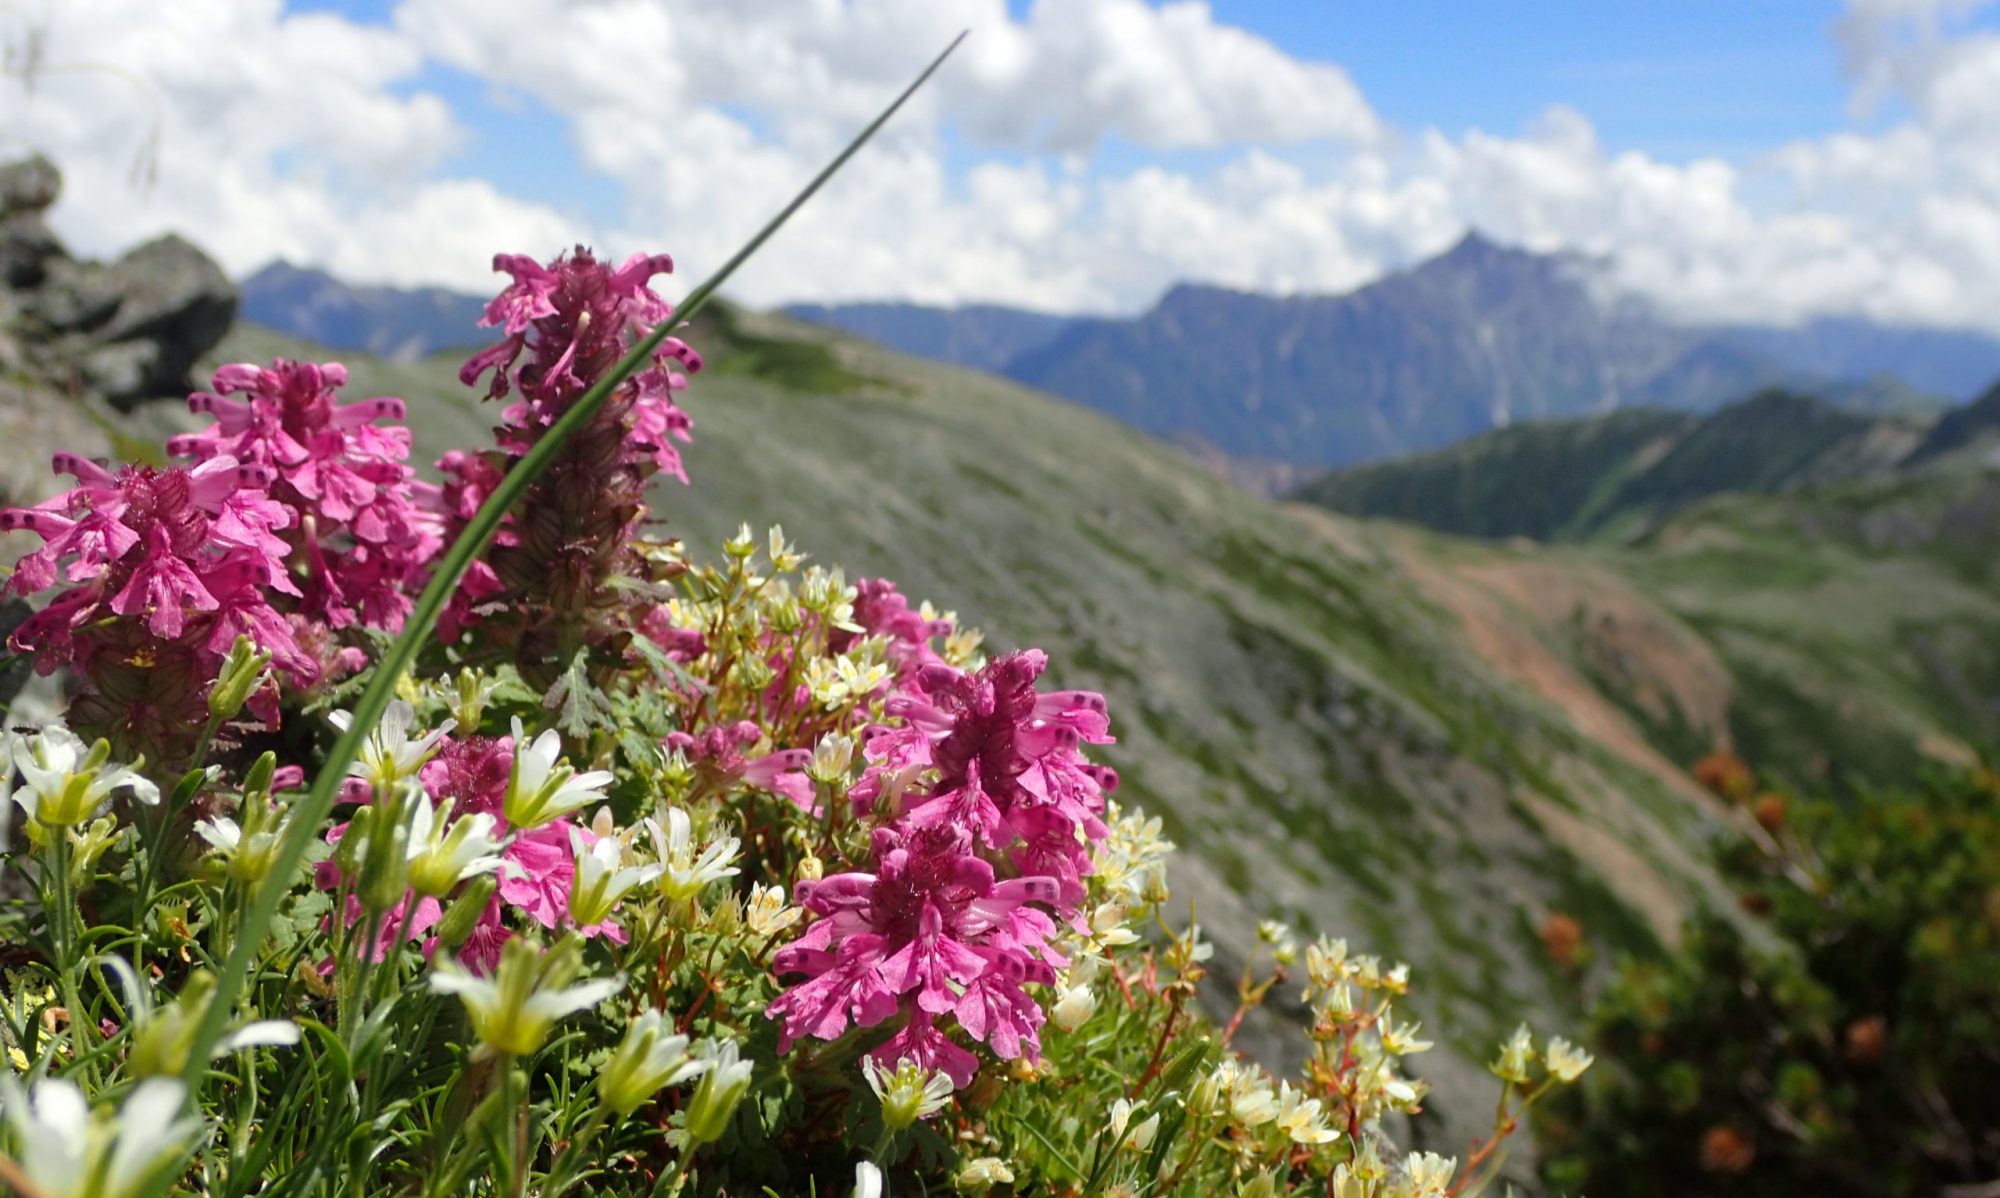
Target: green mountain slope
[1615, 475]
[1328, 739]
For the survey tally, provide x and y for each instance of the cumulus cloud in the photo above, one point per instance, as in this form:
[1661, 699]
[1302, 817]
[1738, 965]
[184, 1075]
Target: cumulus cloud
[316, 138]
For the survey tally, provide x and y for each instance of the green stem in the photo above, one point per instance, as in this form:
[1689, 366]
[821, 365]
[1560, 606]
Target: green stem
[61, 906]
[374, 699]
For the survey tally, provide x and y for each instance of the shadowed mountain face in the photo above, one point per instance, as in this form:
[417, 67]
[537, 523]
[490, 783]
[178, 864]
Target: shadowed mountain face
[389, 322]
[1616, 475]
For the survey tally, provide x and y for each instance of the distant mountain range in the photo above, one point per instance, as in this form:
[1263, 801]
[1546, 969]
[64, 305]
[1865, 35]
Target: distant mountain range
[1620, 475]
[1477, 338]
[401, 324]
[1275, 389]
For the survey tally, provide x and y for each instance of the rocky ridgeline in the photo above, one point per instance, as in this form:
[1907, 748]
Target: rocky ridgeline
[83, 344]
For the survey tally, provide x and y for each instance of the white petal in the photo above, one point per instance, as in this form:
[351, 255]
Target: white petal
[265, 1033]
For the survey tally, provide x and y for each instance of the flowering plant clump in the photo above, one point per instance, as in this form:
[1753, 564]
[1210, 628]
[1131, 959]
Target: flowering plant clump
[648, 872]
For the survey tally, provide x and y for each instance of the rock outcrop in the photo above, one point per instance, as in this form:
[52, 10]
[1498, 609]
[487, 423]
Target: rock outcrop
[126, 331]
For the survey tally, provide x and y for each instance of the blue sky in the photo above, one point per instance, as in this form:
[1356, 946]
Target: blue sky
[1767, 159]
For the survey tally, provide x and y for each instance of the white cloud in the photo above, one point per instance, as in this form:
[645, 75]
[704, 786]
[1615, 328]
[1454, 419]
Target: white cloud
[312, 137]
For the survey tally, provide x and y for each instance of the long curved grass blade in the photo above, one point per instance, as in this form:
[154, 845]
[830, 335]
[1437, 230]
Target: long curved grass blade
[374, 700]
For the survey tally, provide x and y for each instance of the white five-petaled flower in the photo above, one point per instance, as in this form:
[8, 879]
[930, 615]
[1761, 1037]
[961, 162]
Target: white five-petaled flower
[767, 913]
[65, 782]
[1299, 1117]
[647, 1061]
[67, 1152]
[602, 878]
[389, 755]
[543, 788]
[1426, 1174]
[513, 1010]
[1566, 1061]
[687, 871]
[444, 852]
[1142, 1135]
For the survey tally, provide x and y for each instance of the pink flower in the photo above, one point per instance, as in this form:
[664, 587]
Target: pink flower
[717, 755]
[1006, 763]
[881, 610]
[164, 568]
[574, 319]
[930, 932]
[338, 479]
[471, 773]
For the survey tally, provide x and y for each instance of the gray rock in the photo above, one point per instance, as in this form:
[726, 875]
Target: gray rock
[174, 297]
[27, 245]
[29, 185]
[75, 297]
[122, 370]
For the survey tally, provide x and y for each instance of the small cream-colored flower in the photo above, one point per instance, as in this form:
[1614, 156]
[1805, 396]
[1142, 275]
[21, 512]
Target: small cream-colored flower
[1566, 1061]
[768, 913]
[1300, 1118]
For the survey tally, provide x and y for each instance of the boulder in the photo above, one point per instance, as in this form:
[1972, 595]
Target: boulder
[27, 246]
[175, 298]
[30, 185]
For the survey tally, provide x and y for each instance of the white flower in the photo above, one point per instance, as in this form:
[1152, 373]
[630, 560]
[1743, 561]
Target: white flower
[1426, 1174]
[1252, 1102]
[687, 872]
[69, 1153]
[908, 1092]
[1401, 1039]
[1567, 1061]
[602, 878]
[444, 852]
[389, 755]
[721, 1088]
[513, 1010]
[867, 1180]
[981, 1175]
[65, 782]
[1142, 1135]
[1299, 1117]
[1073, 1007]
[542, 789]
[647, 1061]
[767, 914]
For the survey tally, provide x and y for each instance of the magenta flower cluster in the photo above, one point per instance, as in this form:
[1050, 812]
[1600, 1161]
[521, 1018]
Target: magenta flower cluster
[296, 519]
[357, 530]
[545, 588]
[986, 812]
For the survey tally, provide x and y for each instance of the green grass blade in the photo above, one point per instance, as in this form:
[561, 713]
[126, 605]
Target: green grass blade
[374, 700]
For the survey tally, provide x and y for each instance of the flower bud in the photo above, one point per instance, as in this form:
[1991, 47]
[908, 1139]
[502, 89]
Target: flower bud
[385, 859]
[459, 919]
[242, 673]
[263, 772]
